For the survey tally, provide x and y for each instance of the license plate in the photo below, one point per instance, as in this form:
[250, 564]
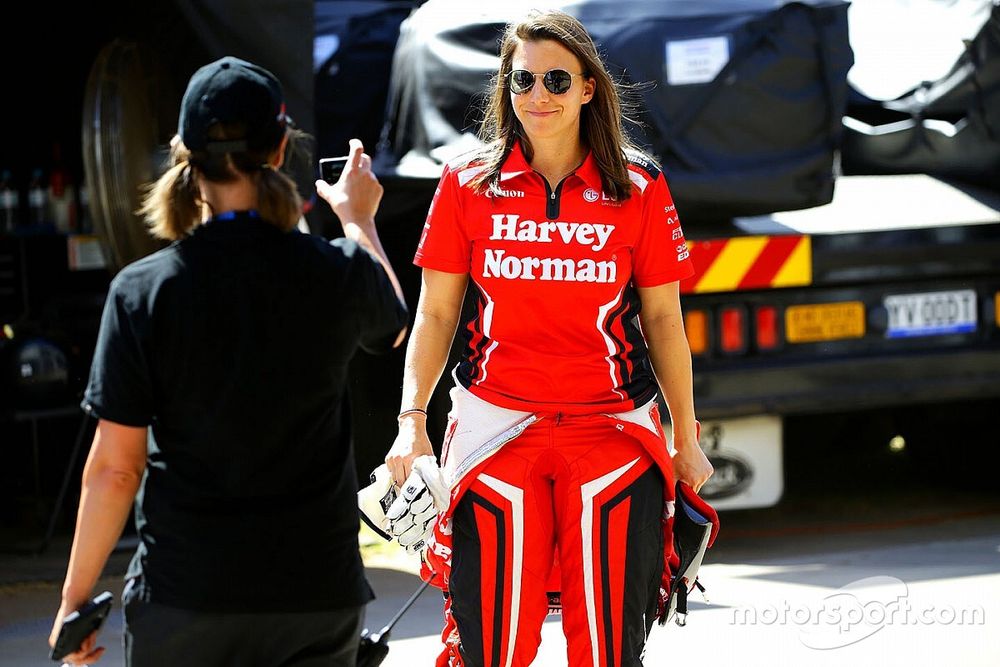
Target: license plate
[824, 321]
[931, 313]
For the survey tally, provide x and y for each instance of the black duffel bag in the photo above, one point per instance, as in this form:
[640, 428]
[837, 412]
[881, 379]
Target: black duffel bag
[762, 134]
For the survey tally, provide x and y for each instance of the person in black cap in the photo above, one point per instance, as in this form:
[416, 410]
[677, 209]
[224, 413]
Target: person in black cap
[231, 347]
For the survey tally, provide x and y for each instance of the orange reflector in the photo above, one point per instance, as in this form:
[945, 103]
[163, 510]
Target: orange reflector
[733, 338]
[767, 327]
[696, 327]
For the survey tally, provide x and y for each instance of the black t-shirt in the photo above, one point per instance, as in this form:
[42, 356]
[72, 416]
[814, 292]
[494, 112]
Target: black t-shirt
[233, 346]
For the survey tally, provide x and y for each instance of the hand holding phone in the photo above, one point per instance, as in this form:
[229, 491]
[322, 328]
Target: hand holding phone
[79, 625]
[330, 168]
[355, 195]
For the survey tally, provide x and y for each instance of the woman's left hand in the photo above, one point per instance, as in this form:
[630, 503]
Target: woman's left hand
[691, 465]
[88, 653]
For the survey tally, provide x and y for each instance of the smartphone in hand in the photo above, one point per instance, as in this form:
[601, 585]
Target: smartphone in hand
[80, 624]
[330, 168]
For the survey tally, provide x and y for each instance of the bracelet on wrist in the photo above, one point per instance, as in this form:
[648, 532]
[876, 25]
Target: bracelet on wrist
[410, 412]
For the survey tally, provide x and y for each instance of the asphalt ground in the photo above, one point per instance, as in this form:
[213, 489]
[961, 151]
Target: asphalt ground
[771, 580]
[872, 557]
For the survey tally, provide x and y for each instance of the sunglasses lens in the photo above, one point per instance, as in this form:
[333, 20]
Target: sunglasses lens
[557, 81]
[521, 81]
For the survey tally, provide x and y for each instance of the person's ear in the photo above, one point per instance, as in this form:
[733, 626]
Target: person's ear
[589, 86]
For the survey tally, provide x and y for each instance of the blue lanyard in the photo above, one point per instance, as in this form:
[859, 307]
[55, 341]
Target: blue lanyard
[231, 215]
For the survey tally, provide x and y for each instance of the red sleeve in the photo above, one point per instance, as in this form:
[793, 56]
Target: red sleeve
[444, 244]
[661, 255]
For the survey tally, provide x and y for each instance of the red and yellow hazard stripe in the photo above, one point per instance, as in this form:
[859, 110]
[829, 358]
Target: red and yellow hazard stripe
[749, 262]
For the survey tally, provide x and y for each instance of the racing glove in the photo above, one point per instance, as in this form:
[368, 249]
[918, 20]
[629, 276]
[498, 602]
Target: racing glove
[424, 494]
[406, 514]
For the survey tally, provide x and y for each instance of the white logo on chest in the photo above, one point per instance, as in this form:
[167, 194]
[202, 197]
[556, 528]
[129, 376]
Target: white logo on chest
[509, 227]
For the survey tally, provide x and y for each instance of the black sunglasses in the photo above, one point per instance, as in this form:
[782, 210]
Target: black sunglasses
[556, 81]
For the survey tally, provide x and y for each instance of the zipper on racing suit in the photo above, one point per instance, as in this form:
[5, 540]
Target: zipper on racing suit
[552, 196]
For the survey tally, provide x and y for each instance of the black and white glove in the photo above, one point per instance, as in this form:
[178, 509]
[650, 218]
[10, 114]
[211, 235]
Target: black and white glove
[408, 514]
[424, 494]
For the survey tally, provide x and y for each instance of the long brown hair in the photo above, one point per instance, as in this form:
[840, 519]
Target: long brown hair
[601, 125]
[172, 205]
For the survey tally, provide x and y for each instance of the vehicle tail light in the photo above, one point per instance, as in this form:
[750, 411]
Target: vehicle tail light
[766, 327]
[733, 332]
[696, 328]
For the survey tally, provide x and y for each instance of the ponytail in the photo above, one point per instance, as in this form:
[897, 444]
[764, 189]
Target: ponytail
[170, 206]
[278, 199]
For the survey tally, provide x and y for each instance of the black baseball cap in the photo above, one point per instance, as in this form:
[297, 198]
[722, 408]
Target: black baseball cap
[231, 90]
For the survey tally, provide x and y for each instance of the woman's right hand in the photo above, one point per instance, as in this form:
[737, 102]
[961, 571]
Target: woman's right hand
[355, 197]
[410, 442]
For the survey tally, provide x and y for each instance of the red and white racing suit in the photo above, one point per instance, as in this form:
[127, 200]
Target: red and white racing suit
[561, 481]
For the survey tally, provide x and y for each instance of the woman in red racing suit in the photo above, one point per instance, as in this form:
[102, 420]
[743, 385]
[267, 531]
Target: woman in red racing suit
[558, 468]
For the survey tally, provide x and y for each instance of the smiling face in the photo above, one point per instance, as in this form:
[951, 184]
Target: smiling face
[545, 116]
